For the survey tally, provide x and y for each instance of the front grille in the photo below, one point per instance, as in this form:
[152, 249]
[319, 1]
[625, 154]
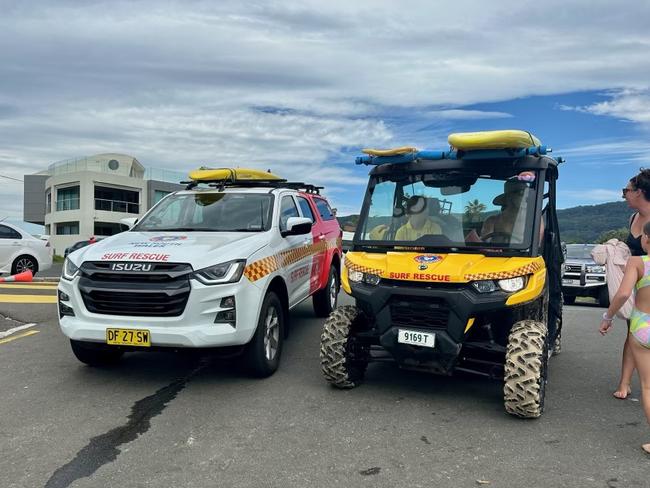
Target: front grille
[161, 292]
[412, 311]
[573, 268]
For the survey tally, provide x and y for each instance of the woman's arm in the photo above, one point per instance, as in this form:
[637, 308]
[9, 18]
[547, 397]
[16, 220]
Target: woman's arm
[624, 292]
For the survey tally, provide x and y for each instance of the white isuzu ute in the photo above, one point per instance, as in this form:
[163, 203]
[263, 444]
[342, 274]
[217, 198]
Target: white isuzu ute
[205, 268]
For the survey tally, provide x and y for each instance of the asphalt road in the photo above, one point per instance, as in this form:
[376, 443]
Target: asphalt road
[165, 420]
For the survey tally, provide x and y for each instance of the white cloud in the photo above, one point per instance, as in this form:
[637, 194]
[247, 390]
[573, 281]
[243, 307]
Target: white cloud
[594, 195]
[457, 114]
[630, 105]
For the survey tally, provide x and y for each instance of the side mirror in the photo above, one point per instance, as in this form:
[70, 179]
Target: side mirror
[297, 226]
[129, 221]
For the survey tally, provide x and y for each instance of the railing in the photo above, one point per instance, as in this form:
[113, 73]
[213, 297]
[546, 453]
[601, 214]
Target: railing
[69, 204]
[116, 206]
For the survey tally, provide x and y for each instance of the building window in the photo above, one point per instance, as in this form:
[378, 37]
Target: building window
[117, 200]
[159, 195]
[67, 228]
[47, 229]
[108, 228]
[48, 202]
[67, 198]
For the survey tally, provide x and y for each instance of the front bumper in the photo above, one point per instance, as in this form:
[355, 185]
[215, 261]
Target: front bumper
[452, 312]
[194, 328]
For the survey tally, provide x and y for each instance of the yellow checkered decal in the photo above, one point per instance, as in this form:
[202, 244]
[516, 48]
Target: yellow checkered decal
[262, 267]
[362, 269]
[502, 275]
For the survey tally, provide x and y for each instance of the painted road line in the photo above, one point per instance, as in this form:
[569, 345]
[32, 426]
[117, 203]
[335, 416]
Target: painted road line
[28, 287]
[15, 329]
[19, 336]
[28, 298]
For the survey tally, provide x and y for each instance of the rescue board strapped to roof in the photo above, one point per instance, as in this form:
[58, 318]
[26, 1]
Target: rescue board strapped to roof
[245, 177]
[497, 144]
[232, 174]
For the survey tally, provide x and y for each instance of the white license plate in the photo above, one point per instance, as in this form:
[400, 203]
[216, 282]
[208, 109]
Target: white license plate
[416, 338]
[570, 282]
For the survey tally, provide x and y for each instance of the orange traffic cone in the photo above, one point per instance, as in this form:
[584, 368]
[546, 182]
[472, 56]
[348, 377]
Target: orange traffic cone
[25, 277]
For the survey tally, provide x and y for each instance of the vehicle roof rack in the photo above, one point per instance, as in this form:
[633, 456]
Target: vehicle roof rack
[274, 183]
[429, 155]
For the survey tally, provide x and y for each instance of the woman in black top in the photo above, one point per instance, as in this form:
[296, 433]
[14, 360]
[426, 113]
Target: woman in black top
[637, 195]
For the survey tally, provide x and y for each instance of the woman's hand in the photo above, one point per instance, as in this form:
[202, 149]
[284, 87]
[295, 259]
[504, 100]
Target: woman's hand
[605, 325]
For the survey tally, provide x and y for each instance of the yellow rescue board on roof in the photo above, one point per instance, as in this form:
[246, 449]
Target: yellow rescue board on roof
[493, 139]
[236, 174]
[390, 152]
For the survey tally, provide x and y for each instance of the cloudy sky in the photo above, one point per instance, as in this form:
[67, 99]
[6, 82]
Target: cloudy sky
[301, 87]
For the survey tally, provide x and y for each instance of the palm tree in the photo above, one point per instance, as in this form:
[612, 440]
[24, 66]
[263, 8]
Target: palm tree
[473, 209]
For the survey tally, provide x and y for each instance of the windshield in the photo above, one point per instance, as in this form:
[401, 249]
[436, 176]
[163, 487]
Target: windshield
[450, 209]
[210, 211]
[579, 251]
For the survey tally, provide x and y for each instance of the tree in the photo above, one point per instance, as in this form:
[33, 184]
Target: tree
[474, 209]
[620, 234]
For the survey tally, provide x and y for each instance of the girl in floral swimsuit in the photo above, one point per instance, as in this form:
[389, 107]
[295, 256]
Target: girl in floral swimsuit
[636, 280]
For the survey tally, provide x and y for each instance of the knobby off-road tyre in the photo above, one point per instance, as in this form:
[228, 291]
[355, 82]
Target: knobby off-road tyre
[525, 369]
[94, 354]
[325, 300]
[343, 360]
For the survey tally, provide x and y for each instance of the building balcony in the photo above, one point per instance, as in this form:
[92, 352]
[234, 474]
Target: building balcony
[116, 206]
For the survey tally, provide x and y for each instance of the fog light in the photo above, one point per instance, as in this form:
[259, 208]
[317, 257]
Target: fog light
[63, 296]
[65, 310]
[228, 302]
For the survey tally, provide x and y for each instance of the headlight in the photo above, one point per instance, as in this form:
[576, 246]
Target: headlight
[367, 278]
[229, 272]
[512, 284]
[70, 270]
[484, 286]
[596, 269]
[371, 279]
[355, 276]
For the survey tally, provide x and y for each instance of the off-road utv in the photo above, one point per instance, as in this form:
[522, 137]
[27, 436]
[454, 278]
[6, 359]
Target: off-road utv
[454, 266]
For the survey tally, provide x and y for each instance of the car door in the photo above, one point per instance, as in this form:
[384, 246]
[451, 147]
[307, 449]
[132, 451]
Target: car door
[329, 232]
[9, 246]
[295, 254]
[319, 248]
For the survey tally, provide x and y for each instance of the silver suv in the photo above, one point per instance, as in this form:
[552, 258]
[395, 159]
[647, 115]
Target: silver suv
[582, 277]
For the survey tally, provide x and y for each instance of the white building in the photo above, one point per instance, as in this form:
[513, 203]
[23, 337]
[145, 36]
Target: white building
[79, 198]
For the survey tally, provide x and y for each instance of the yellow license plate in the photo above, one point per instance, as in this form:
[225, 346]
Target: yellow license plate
[128, 337]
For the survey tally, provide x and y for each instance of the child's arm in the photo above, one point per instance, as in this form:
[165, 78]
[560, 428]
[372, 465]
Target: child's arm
[624, 292]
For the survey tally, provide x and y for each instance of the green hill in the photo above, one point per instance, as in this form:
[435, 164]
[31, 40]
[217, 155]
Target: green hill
[585, 223]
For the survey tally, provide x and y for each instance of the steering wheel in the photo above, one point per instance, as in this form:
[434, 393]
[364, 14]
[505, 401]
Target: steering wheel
[491, 235]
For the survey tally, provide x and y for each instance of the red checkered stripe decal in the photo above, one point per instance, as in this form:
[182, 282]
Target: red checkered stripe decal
[262, 267]
[502, 275]
[362, 269]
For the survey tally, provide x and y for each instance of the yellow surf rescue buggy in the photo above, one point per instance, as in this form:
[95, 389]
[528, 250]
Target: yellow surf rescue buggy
[455, 266]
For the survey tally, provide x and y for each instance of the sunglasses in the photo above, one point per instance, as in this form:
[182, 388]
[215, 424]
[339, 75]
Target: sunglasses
[625, 190]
